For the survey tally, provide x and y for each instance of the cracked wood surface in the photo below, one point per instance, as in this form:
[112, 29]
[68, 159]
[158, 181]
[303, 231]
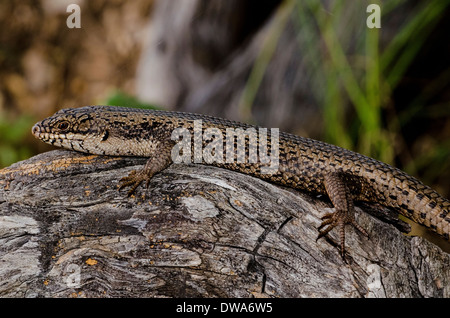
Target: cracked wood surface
[197, 231]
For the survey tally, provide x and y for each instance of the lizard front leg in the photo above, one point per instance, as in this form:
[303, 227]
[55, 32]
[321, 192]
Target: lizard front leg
[158, 160]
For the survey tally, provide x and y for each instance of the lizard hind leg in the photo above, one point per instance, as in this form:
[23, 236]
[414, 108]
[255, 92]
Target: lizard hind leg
[344, 214]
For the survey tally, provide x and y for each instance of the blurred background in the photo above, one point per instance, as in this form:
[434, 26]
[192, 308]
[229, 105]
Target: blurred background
[308, 67]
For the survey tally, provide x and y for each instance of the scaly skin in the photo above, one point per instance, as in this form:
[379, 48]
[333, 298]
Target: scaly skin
[304, 163]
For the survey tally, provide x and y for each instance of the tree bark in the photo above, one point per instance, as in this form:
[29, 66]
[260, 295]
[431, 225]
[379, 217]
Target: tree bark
[197, 231]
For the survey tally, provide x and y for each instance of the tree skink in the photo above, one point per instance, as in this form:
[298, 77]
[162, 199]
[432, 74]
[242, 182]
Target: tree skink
[302, 163]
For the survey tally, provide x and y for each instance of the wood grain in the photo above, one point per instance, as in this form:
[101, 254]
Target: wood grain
[198, 231]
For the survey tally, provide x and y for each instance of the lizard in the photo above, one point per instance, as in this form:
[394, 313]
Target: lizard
[304, 164]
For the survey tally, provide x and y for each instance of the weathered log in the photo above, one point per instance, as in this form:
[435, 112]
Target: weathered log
[197, 231]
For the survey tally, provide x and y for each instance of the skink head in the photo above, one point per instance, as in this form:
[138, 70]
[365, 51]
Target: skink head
[76, 129]
[101, 130]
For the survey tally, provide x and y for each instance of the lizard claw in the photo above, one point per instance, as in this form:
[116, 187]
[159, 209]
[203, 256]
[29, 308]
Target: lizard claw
[154, 165]
[338, 219]
[134, 179]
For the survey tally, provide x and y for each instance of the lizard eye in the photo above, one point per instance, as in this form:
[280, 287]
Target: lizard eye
[64, 125]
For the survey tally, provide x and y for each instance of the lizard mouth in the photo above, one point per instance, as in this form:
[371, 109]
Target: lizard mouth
[64, 140]
[48, 137]
[40, 133]
[36, 131]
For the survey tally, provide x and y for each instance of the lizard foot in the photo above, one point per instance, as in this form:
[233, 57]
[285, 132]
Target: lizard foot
[338, 219]
[134, 179]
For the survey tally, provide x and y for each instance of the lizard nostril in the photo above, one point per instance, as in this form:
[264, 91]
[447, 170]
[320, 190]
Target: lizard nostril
[35, 130]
